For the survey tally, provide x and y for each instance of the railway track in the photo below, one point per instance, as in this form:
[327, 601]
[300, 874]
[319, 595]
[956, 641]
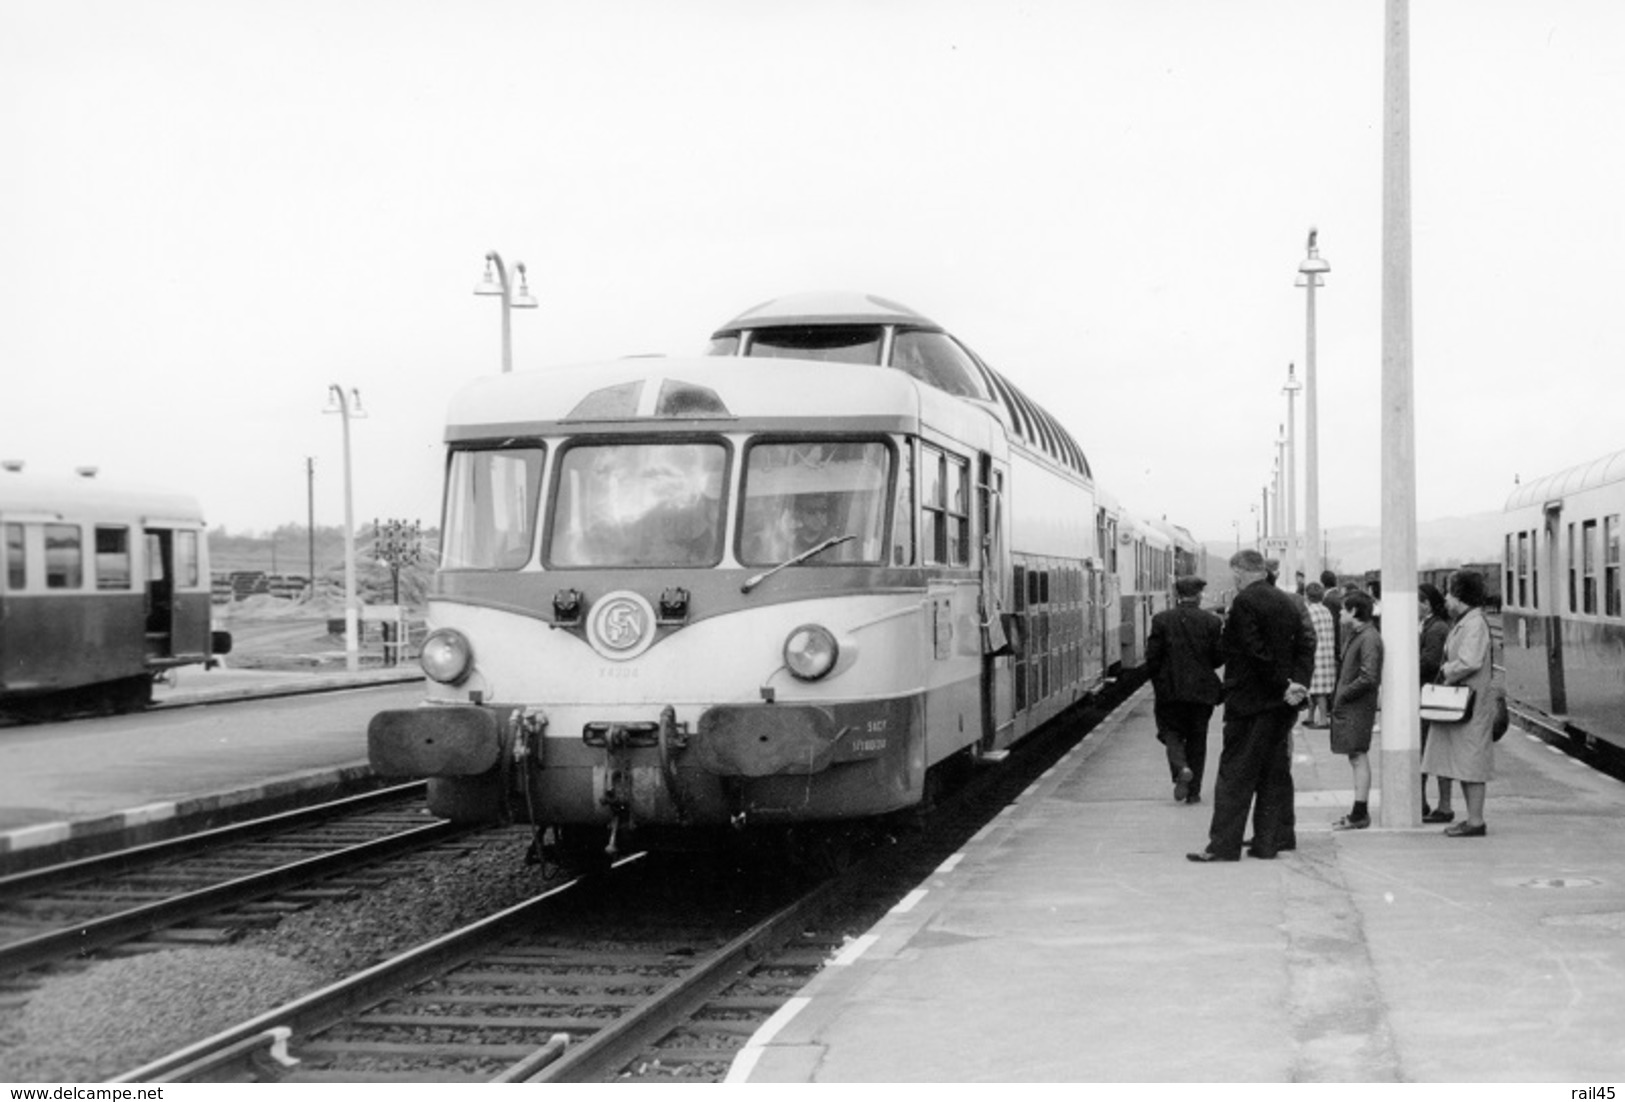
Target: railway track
[203, 888]
[660, 968]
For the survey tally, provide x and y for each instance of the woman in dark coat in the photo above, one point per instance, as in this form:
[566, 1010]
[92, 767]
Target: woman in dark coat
[1354, 702]
[1435, 627]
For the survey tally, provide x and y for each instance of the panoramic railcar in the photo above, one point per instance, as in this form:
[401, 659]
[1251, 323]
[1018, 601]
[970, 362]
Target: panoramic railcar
[1562, 613]
[774, 585]
[102, 589]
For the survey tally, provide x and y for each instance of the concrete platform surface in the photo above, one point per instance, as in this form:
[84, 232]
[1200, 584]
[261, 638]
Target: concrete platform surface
[1072, 941]
[69, 789]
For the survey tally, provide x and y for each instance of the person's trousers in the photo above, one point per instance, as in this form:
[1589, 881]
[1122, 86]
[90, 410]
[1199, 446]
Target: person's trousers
[1255, 765]
[1182, 730]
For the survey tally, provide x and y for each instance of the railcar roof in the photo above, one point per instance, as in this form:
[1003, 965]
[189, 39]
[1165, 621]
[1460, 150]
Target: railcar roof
[828, 308]
[91, 499]
[708, 391]
[1586, 476]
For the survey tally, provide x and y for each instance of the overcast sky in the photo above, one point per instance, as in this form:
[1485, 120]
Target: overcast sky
[211, 210]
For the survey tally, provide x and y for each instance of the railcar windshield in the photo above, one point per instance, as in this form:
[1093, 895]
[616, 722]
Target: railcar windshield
[799, 493]
[851, 344]
[638, 504]
[491, 508]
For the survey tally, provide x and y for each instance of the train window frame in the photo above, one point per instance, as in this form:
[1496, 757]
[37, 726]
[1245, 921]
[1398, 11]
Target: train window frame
[533, 455]
[114, 562]
[557, 477]
[893, 494]
[188, 562]
[1613, 600]
[68, 571]
[1588, 567]
[16, 552]
[945, 512]
[902, 537]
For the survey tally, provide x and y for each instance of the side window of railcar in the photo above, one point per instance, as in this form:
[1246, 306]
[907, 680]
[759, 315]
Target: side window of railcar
[902, 538]
[64, 557]
[1588, 541]
[112, 557]
[638, 504]
[16, 572]
[936, 359]
[799, 493]
[491, 508]
[186, 559]
[1610, 565]
[944, 507]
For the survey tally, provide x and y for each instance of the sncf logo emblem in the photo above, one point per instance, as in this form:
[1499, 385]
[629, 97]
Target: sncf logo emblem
[621, 626]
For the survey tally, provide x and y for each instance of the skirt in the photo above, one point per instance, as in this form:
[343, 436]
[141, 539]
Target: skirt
[1459, 751]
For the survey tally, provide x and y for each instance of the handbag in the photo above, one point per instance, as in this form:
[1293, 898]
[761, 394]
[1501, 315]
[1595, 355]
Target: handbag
[1447, 703]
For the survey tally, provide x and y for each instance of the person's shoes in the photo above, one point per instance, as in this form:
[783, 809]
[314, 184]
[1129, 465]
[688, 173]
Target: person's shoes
[1317, 726]
[1254, 851]
[1207, 857]
[1349, 822]
[1438, 816]
[1466, 830]
[1194, 798]
[1182, 784]
[1249, 845]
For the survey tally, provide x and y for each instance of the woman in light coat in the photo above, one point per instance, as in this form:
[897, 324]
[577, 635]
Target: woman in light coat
[1464, 751]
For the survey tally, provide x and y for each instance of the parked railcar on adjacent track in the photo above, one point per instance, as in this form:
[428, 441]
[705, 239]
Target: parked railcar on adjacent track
[1563, 610]
[102, 589]
[775, 586]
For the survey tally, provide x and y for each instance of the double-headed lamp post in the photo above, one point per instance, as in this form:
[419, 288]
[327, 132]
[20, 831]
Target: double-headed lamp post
[496, 283]
[1289, 561]
[1309, 273]
[348, 406]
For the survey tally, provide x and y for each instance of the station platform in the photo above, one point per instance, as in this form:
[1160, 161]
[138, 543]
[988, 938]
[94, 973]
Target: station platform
[1071, 940]
[68, 790]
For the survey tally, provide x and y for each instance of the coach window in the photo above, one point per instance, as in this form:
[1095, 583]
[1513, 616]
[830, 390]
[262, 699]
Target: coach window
[1610, 565]
[112, 557]
[1523, 569]
[187, 568]
[944, 507]
[902, 533]
[16, 572]
[936, 359]
[490, 508]
[1588, 561]
[64, 557]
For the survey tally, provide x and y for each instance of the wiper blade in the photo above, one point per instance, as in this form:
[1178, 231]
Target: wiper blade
[752, 582]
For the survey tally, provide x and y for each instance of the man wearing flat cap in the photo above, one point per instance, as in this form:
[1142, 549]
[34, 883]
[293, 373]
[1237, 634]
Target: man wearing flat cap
[1269, 655]
[1184, 649]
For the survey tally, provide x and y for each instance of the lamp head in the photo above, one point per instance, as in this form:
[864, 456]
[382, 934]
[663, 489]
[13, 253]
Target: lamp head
[522, 298]
[489, 284]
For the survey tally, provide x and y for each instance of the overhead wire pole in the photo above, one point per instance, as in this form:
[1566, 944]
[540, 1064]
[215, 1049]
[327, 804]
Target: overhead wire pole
[1399, 768]
[1309, 273]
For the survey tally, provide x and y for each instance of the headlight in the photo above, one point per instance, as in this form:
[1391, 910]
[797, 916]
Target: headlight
[810, 652]
[446, 656]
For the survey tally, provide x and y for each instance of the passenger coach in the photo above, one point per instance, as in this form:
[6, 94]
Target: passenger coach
[102, 589]
[778, 584]
[1562, 611]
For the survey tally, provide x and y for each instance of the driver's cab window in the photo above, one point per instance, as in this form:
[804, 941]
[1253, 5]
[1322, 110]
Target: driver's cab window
[801, 494]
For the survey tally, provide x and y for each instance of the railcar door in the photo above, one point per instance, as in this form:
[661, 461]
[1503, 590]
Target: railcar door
[160, 586]
[1554, 616]
[997, 692]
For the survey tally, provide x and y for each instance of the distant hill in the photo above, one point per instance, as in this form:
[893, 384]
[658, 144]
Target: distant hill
[1447, 542]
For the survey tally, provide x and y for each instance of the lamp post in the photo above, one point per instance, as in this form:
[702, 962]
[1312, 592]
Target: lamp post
[348, 407]
[1309, 273]
[1281, 534]
[495, 282]
[1258, 531]
[1289, 561]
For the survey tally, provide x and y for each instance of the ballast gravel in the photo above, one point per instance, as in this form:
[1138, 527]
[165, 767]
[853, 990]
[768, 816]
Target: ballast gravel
[113, 1015]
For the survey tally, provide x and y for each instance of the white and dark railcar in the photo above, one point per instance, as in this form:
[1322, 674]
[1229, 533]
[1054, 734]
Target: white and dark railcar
[1562, 604]
[102, 589]
[775, 585]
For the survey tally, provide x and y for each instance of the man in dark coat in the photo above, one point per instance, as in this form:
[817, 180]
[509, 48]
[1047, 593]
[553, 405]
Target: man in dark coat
[1184, 649]
[1269, 655]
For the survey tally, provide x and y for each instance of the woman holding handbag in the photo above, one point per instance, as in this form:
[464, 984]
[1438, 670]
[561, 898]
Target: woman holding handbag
[1463, 751]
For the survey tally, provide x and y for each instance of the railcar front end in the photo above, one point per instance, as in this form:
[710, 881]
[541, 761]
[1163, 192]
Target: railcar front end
[685, 601]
